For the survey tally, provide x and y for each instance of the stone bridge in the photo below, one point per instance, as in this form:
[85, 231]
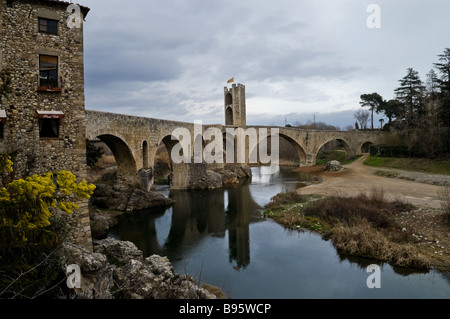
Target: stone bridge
[134, 141]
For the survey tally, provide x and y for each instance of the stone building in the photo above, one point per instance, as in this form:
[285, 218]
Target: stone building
[43, 118]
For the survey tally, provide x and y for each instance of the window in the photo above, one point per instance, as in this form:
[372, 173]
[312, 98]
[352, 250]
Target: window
[48, 26]
[9, 3]
[2, 122]
[48, 127]
[49, 123]
[48, 71]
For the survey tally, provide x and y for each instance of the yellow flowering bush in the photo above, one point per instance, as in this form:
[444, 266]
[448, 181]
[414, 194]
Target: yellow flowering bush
[26, 208]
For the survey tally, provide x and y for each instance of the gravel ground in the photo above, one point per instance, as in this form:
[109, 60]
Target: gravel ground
[432, 179]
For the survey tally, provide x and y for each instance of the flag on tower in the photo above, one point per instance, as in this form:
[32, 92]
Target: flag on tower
[231, 80]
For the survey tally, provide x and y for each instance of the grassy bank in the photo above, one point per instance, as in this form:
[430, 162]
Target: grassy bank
[363, 226]
[431, 166]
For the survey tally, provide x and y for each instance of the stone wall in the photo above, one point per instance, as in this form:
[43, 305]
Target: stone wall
[21, 45]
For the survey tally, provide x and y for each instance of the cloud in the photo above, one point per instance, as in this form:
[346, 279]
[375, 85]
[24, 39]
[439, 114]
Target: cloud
[171, 59]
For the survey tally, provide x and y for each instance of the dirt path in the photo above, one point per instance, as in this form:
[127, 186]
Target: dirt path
[357, 177]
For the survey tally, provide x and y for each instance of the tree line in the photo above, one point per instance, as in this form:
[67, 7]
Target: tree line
[420, 111]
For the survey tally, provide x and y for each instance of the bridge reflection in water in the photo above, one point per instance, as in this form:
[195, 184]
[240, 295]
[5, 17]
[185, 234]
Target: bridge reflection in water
[194, 215]
[198, 213]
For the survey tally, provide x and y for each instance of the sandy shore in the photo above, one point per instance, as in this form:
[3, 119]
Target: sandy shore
[357, 177]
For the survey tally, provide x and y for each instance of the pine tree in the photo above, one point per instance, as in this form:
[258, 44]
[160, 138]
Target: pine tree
[432, 84]
[410, 94]
[443, 67]
[391, 109]
[373, 101]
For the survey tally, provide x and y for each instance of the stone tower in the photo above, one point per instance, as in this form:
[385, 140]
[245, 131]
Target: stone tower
[43, 119]
[235, 113]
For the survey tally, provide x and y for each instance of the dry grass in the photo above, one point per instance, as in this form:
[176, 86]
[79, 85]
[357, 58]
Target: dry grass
[365, 241]
[284, 198]
[216, 291]
[373, 208]
[287, 210]
[362, 225]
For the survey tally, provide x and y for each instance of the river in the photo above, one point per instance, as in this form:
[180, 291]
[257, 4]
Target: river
[222, 238]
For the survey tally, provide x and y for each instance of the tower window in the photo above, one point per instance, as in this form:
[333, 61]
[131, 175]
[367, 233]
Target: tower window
[49, 128]
[49, 122]
[48, 71]
[48, 26]
[9, 3]
[2, 122]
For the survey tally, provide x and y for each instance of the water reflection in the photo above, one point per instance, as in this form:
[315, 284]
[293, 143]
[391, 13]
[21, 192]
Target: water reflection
[222, 235]
[197, 213]
[240, 212]
[194, 215]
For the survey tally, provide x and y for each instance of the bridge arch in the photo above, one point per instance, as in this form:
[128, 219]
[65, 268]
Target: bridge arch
[343, 142]
[346, 144]
[179, 172]
[298, 148]
[365, 146]
[300, 151]
[126, 164]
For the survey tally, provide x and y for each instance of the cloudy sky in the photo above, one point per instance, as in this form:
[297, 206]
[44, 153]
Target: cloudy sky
[298, 59]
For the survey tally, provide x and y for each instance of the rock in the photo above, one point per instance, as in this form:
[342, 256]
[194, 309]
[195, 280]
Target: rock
[151, 278]
[333, 166]
[117, 269]
[101, 222]
[232, 176]
[127, 198]
[140, 199]
[244, 172]
[96, 272]
[209, 180]
[121, 251]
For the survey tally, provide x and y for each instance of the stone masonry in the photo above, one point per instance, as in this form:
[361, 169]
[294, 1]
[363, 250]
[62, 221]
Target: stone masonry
[44, 117]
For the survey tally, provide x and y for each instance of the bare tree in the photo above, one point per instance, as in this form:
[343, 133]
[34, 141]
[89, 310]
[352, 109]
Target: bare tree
[362, 116]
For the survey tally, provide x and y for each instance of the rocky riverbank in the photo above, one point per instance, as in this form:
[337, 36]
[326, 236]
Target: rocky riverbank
[117, 270]
[127, 198]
